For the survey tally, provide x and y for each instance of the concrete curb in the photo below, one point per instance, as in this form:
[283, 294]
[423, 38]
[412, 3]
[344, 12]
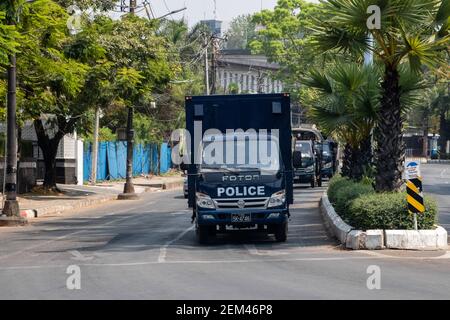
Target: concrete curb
[35, 213]
[438, 161]
[332, 220]
[380, 239]
[172, 185]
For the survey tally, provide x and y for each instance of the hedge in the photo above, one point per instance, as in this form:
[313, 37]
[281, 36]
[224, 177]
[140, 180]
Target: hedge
[390, 211]
[336, 183]
[359, 205]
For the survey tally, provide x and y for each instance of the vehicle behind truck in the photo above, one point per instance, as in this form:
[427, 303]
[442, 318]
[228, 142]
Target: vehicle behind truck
[240, 175]
[307, 149]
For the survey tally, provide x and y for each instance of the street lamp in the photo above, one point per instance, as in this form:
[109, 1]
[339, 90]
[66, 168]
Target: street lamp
[11, 212]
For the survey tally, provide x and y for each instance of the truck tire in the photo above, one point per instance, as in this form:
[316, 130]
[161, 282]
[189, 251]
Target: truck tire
[205, 233]
[281, 232]
[313, 182]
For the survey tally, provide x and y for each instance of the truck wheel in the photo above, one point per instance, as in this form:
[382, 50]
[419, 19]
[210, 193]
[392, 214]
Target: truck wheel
[313, 182]
[281, 232]
[203, 233]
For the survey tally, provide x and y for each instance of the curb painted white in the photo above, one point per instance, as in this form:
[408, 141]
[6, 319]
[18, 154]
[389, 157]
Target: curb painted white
[380, 239]
[417, 240]
[35, 213]
[338, 227]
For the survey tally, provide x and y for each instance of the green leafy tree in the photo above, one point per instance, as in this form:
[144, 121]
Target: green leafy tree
[411, 32]
[345, 104]
[284, 36]
[241, 32]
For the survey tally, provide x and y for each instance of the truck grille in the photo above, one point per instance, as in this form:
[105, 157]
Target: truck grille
[241, 203]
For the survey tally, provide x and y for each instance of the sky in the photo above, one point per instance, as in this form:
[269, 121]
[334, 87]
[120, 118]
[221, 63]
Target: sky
[204, 9]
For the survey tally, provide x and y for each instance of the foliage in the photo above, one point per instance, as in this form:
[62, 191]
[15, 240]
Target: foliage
[241, 32]
[346, 101]
[362, 208]
[389, 211]
[335, 184]
[346, 194]
[284, 36]
[412, 32]
[8, 39]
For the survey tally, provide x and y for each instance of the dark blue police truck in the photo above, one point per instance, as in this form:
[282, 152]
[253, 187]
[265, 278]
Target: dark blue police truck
[231, 183]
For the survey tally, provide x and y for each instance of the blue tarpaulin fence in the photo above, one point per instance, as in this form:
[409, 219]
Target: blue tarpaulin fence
[112, 159]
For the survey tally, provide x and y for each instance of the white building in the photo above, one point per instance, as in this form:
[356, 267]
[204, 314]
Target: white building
[250, 73]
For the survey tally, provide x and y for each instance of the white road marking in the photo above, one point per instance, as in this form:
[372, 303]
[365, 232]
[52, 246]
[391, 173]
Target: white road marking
[376, 256]
[251, 248]
[179, 212]
[163, 249]
[442, 173]
[77, 255]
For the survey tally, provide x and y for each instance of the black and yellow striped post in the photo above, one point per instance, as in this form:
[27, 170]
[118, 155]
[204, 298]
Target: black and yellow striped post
[415, 197]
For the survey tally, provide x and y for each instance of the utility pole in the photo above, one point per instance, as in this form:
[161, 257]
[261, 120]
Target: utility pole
[11, 212]
[93, 178]
[206, 66]
[128, 190]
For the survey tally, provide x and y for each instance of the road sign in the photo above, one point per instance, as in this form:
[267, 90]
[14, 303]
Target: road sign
[415, 196]
[414, 189]
[412, 170]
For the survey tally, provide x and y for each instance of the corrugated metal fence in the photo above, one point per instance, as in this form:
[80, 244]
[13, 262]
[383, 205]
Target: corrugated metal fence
[112, 158]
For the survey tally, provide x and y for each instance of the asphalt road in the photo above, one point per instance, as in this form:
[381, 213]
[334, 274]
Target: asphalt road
[147, 249]
[436, 183]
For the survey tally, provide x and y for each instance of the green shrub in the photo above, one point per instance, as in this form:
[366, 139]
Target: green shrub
[335, 184]
[389, 211]
[345, 195]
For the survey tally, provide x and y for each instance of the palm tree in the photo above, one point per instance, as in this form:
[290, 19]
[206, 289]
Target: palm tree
[345, 104]
[412, 32]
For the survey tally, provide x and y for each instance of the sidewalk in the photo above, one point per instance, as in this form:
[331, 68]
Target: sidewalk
[75, 197]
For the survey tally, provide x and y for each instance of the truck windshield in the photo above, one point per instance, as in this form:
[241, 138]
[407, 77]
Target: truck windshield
[232, 154]
[304, 148]
[326, 149]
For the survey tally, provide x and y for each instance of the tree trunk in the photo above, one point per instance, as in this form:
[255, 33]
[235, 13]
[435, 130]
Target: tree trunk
[50, 165]
[444, 128]
[425, 136]
[347, 161]
[49, 148]
[390, 151]
[362, 159]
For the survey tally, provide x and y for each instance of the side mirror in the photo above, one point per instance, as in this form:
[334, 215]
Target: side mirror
[297, 159]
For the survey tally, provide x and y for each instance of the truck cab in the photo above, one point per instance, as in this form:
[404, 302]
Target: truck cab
[327, 160]
[243, 195]
[307, 149]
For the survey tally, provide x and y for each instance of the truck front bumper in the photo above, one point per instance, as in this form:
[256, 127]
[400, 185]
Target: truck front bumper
[303, 177]
[222, 217]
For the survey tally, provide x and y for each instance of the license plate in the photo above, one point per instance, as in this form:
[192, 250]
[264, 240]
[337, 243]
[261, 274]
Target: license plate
[241, 217]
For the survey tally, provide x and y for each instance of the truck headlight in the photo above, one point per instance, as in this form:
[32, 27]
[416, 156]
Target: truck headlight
[327, 165]
[277, 199]
[204, 201]
[309, 168]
